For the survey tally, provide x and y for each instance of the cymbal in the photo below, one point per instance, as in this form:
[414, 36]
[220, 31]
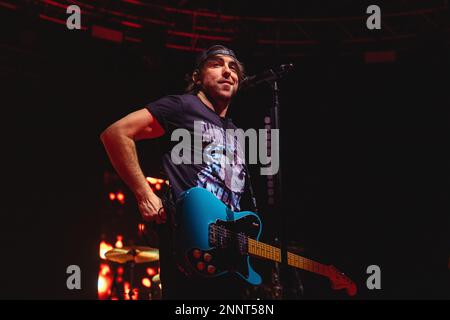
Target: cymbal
[137, 254]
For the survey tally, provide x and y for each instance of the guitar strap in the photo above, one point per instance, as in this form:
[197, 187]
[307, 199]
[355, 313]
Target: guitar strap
[248, 181]
[170, 208]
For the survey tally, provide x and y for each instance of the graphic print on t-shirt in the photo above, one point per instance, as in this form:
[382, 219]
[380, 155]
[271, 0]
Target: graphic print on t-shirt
[225, 179]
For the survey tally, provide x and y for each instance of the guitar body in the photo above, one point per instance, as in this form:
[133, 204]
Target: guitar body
[211, 239]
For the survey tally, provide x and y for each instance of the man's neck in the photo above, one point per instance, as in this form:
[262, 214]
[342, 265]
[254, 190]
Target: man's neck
[219, 107]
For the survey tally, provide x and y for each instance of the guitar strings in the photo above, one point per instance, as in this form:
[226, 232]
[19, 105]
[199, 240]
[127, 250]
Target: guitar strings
[241, 237]
[224, 232]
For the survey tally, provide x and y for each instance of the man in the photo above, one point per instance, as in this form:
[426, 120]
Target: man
[213, 84]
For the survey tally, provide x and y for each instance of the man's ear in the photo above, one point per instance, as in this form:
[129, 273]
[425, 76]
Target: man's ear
[196, 77]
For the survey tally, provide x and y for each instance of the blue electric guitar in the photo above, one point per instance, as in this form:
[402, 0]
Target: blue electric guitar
[213, 240]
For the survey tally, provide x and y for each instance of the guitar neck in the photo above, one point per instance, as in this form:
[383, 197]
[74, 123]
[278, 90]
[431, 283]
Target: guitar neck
[269, 252]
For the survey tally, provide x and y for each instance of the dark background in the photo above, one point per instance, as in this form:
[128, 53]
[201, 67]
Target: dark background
[364, 145]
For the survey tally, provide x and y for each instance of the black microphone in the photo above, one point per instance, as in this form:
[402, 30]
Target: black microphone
[266, 76]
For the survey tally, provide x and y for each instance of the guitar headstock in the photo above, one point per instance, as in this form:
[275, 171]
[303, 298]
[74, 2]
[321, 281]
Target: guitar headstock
[340, 281]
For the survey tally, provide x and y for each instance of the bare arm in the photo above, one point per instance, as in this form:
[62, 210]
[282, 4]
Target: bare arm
[119, 141]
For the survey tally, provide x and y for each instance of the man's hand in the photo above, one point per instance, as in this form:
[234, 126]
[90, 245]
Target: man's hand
[151, 208]
[119, 141]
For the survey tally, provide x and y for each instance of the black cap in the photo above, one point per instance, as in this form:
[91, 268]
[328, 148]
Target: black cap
[213, 51]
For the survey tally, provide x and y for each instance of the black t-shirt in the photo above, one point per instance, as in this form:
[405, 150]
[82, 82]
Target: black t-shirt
[206, 149]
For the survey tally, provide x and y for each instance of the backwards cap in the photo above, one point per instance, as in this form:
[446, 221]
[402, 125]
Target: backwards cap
[213, 51]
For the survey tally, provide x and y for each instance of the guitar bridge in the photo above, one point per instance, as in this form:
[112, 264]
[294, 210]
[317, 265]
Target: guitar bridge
[219, 236]
[212, 235]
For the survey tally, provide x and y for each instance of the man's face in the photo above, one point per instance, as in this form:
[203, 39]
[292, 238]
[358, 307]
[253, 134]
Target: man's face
[219, 77]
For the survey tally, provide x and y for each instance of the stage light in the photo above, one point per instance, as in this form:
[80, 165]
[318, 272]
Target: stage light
[131, 24]
[133, 2]
[146, 282]
[151, 272]
[141, 227]
[121, 197]
[104, 248]
[126, 290]
[135, 294]
[119, 243]
[102, 285]
[104, 269]
[112, 196]
[107, 34]
[158, 186]
[152, 180]
[104, 282]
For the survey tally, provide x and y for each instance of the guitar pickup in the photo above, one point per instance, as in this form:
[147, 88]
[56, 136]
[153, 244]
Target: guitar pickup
[212, 235]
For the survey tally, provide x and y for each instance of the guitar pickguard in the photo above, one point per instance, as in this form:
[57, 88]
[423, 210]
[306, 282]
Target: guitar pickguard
[228, 251]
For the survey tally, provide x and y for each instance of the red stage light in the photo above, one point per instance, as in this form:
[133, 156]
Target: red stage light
[126, 290]
[106, 34]
[102, 285]
[133, 1]
[152, 180]
[131, 39]
[131, 24]
[121, 197]
[135, 293]
[151, 272]
[53, 3]
[112, 196]
[158, 186]
[146, 282]
[104, 269]
[104, 282]
[119, 243]
[104, 247]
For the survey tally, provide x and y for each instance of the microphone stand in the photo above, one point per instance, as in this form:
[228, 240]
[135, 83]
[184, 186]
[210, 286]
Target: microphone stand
[275, 114]
[271, 77]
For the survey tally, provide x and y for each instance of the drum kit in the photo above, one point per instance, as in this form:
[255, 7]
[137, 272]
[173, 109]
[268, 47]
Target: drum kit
[131, 256]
